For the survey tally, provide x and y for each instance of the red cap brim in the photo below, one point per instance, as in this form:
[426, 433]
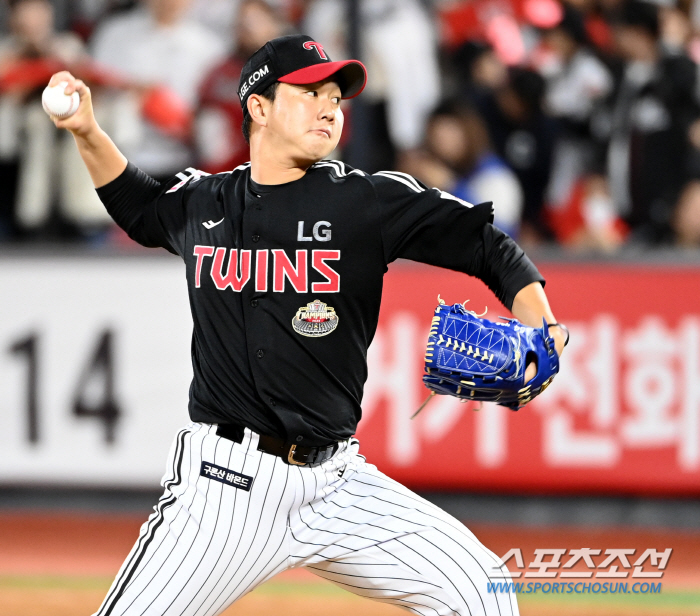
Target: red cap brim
[352, 76]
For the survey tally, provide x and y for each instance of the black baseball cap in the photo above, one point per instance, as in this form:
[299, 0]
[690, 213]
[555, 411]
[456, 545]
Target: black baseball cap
[297, 59]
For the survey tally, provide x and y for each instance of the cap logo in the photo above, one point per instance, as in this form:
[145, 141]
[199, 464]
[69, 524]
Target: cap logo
[318, 47]
[253, 79]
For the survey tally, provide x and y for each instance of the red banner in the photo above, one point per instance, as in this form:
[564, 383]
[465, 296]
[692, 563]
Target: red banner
[622, 416]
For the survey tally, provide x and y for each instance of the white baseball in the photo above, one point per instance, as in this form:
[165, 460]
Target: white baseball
[59, 104]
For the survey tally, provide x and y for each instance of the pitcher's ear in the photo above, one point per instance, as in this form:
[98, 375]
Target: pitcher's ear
[257, 109]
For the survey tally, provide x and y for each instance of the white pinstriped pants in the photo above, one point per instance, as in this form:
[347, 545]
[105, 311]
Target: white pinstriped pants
[208, 543]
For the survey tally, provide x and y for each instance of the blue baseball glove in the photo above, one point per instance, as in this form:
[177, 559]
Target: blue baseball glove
[476, 359]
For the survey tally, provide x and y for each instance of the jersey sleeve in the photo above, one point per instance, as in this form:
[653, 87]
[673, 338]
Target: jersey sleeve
[434, 227]
[426, 225]
[169, 211]
[151, 213]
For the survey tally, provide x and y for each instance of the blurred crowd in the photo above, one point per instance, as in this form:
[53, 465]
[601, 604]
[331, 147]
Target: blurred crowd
[579, 119]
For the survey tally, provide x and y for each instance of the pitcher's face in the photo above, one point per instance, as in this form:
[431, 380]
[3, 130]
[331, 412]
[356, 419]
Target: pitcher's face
[306, 120]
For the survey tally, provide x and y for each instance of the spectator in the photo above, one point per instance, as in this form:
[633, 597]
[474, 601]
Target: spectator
[649, 116]
[157, 44]
[577, 84]
[524, 136]
[399, 46]
[48, 167]
[219, 16]
[460, 160]
[216, 15]
[220, 143]
[597, 25]
[499, 24]
[479, 72]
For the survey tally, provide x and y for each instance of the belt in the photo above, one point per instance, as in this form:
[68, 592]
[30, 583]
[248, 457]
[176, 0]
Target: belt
[291, 454]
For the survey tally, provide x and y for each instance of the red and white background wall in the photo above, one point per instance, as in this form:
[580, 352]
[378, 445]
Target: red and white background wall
[94, 372]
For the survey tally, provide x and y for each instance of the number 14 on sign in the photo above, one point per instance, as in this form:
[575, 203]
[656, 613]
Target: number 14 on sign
[97, 373]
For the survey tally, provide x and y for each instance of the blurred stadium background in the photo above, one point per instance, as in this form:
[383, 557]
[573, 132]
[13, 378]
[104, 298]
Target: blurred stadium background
[579, 119]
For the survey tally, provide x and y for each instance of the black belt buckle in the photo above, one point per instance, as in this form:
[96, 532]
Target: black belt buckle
[293, 455]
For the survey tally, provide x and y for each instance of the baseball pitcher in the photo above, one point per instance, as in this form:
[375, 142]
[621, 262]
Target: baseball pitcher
[284, 259]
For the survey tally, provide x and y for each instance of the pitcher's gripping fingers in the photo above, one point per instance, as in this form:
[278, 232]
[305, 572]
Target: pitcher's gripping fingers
[83, 120]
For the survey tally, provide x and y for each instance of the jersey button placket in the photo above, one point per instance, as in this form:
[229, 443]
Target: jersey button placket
[254, 232]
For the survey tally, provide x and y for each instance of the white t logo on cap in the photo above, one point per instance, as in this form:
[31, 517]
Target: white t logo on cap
[318, 47]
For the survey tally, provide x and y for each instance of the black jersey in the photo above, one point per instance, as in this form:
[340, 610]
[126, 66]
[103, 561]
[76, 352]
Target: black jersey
[285, 281]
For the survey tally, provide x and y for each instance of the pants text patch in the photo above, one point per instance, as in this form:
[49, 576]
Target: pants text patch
[224, 475]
